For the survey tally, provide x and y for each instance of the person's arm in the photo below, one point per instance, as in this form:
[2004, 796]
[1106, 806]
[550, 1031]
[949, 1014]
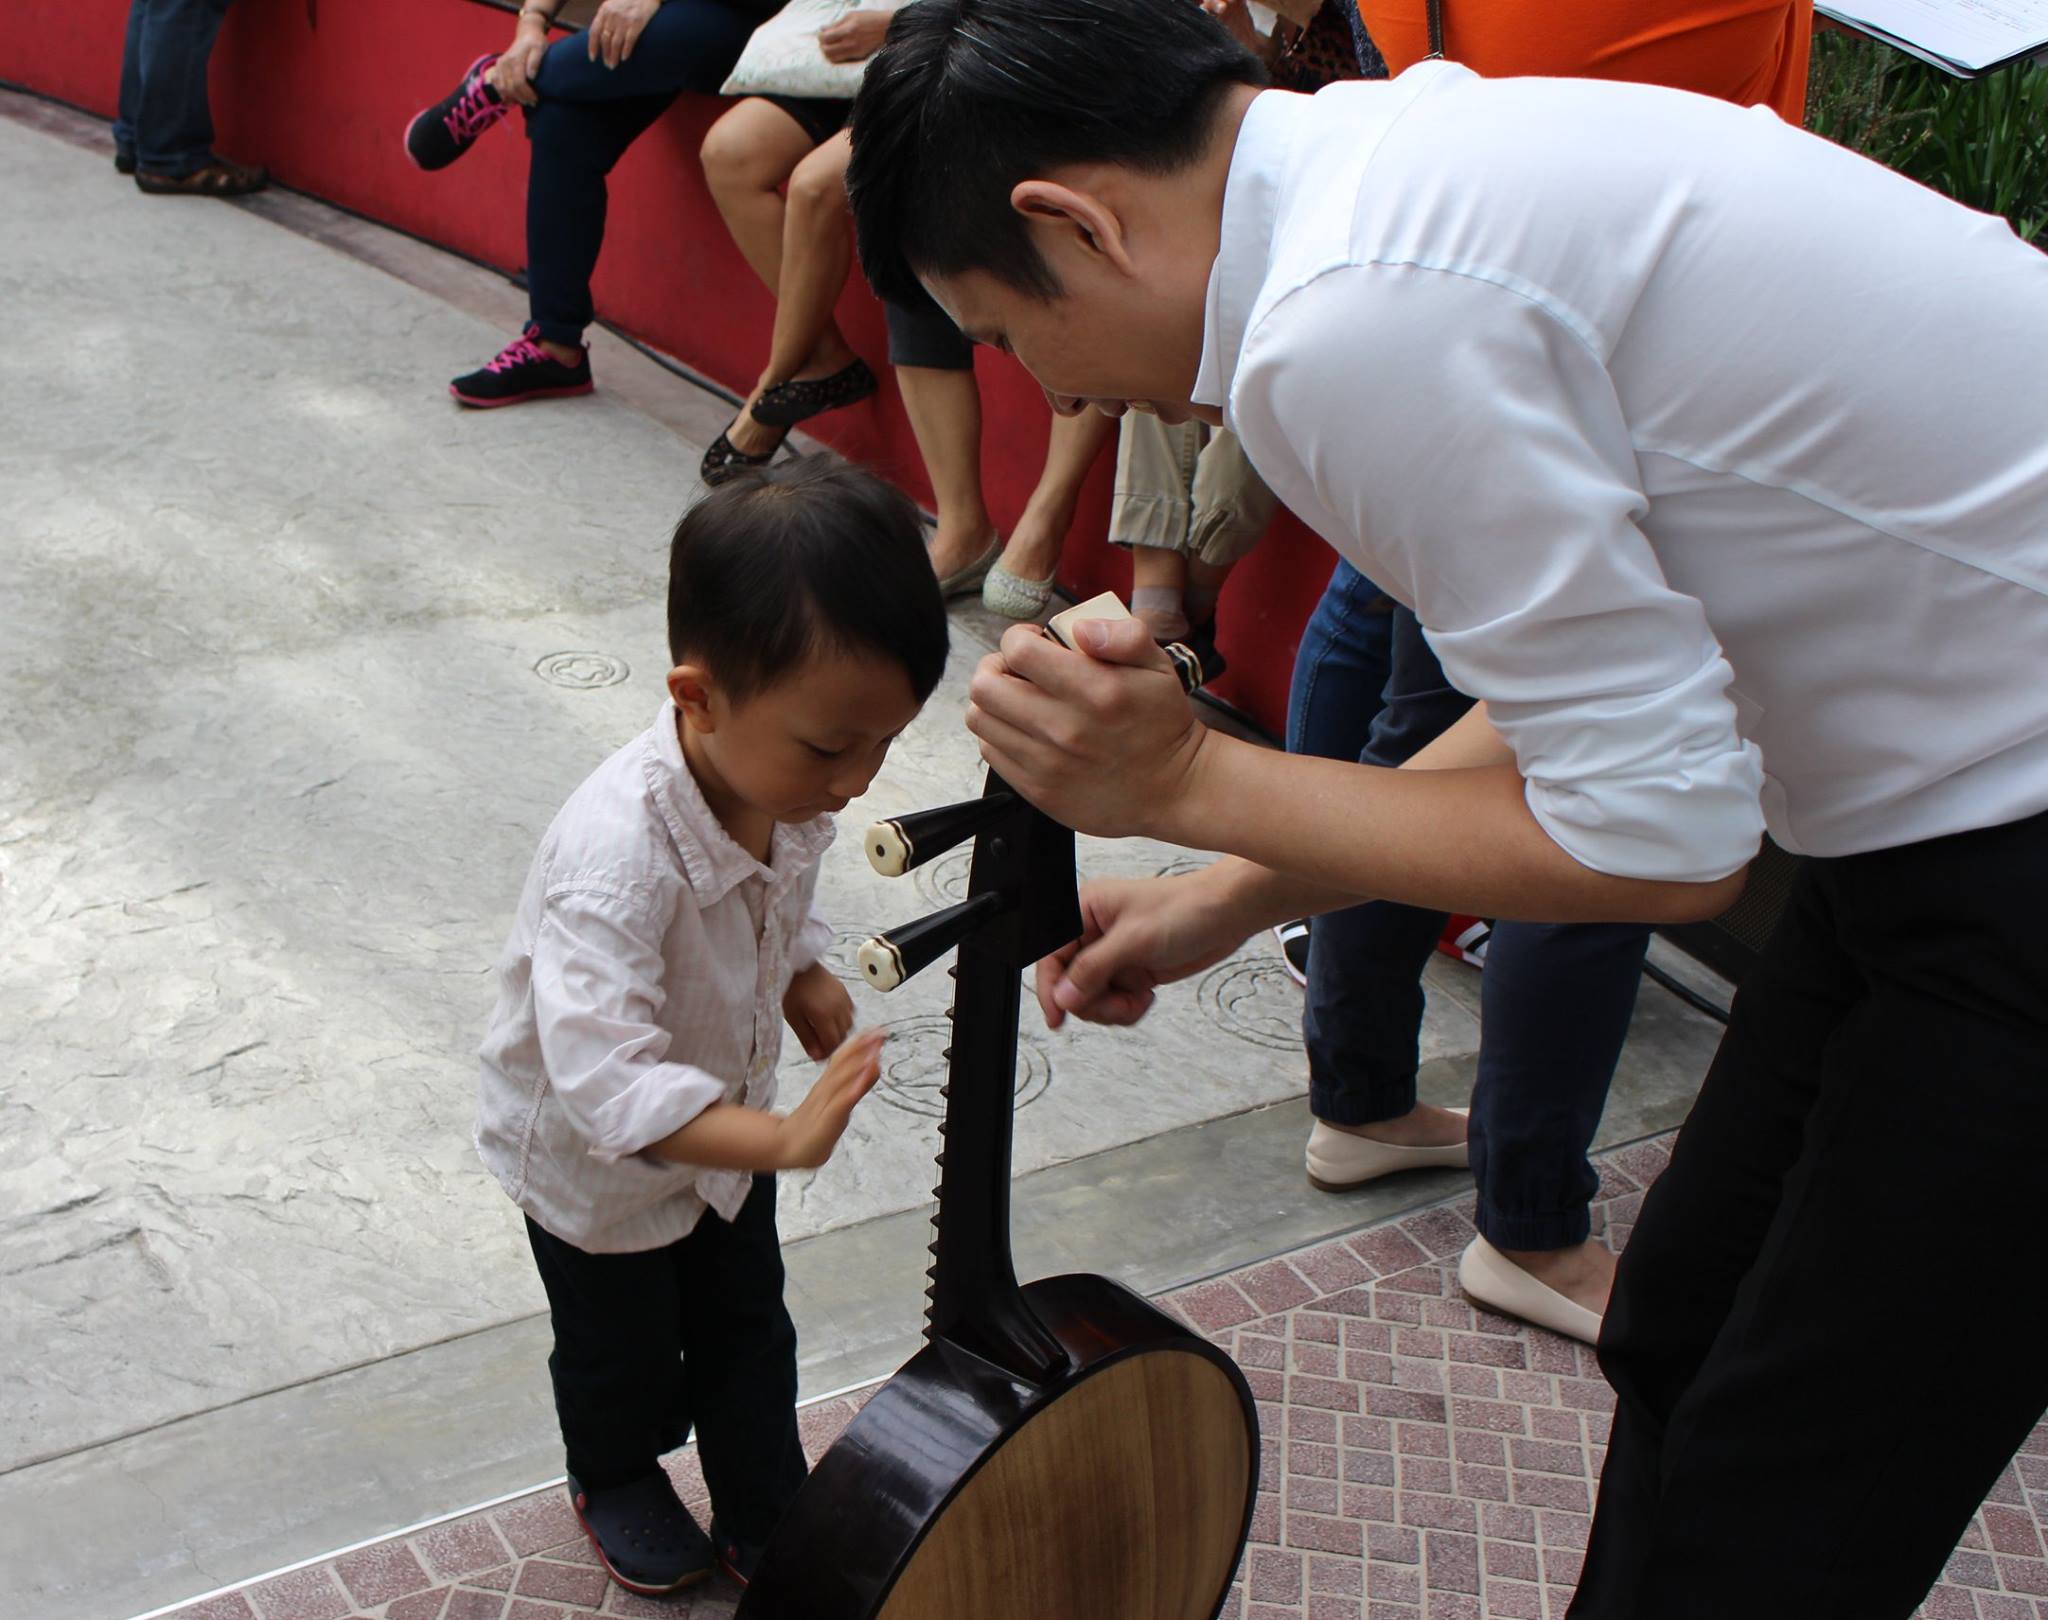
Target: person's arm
[598, 992]
[513, 73]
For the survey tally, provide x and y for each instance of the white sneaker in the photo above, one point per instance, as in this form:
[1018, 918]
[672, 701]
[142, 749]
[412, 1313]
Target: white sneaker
[1496, 1282]
[1339, 1161]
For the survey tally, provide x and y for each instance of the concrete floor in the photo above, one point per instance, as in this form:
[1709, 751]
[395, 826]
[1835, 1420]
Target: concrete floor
[284, 706]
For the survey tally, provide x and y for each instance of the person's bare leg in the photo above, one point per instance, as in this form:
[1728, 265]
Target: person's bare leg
[817, 252]
[1204, 588]
[1159, 583]
[1033, 551]
[944, 408]
[748, 154]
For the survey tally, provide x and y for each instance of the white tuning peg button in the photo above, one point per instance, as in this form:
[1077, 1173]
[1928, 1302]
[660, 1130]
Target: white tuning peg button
[888, 850]
[881, 964]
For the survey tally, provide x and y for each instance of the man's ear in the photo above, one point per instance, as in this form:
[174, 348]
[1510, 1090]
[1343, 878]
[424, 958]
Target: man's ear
[689, 687]
[1081, 217]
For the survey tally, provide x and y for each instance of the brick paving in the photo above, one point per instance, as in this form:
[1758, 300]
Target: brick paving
[1423, 1460]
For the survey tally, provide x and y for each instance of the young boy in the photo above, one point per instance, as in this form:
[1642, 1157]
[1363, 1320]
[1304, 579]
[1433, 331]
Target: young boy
[630, 1064]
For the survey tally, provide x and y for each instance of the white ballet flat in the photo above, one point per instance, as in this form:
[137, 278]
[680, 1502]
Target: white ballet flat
[1012, 596]
[1339, 1161]
[1496, 1282]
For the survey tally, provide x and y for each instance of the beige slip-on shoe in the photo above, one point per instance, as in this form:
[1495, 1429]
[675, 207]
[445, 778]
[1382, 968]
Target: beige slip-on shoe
[965, 580]
[1339, 1161]
[1496, 1282]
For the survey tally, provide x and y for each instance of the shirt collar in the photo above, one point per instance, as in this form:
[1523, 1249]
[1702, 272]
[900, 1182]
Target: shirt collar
[712, 862]
[1251, 198]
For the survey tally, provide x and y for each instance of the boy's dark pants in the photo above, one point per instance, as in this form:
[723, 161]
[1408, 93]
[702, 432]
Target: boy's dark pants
[1827, 1338]
[648, 1345]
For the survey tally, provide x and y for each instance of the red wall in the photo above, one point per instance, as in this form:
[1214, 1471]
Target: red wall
[321, 91]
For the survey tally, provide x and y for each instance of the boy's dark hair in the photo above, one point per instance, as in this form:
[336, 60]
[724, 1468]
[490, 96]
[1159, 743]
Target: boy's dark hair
[783, 562]
[969, 97]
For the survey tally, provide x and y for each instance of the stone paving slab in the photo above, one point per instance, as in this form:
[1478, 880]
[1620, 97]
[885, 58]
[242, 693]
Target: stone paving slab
[1423, 1460]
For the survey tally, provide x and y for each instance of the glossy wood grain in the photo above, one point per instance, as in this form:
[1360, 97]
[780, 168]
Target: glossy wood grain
[1120, 1501]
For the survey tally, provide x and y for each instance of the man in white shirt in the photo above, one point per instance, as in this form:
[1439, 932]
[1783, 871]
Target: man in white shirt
[1714, 461]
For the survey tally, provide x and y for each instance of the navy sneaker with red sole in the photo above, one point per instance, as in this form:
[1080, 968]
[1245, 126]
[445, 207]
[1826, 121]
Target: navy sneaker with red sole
[440, 134]
[523, 371]
[643, 1535]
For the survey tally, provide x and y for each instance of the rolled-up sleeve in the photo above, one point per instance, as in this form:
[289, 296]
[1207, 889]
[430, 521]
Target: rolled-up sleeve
[597, 992]
[1467, 447]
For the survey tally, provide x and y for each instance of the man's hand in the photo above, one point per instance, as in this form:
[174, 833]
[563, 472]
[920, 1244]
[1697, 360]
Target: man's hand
[1135, 935]
[854, 37]
[616, 29]
[512, 74]
[807, 1137]
[1103, 739]
[819, 1010]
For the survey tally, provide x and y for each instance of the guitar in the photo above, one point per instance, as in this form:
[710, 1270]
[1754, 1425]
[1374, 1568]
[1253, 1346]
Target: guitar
[1056, 1451]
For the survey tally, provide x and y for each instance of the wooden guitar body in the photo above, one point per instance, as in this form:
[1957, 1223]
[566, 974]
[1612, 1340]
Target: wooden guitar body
[1121, 1491]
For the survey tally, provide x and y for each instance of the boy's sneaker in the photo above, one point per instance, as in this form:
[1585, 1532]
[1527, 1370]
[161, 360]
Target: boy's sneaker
[739, 1559]
[440, 134]
[1293, 937]
[644, 1536]
[523, 371]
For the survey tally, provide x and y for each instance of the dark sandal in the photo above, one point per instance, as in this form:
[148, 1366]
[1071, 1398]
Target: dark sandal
[725, 458]
[643, 1535]
[215, 179]
[789, 403]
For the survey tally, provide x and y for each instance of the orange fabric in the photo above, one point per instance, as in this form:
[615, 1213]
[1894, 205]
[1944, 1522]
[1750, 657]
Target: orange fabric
[1746, 51]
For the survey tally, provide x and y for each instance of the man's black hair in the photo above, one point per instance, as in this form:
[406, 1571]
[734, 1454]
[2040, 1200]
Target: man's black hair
[784, 562]
[969, 97]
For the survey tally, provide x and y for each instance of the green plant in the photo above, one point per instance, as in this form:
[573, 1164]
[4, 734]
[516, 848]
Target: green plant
[1984, 142]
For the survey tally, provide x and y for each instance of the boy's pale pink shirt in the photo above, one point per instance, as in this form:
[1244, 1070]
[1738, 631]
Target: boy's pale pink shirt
[643, 982]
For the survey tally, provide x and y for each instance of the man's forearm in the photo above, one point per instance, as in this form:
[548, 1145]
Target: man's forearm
[1448, 835]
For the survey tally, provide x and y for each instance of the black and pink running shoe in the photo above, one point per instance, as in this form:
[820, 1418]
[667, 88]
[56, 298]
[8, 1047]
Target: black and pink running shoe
[523, 371]
[440, 134]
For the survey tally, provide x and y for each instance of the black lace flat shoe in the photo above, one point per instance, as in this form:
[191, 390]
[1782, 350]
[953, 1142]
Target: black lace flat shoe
[440, 134]
[725, 458]
[789, 403]
[644, 1535]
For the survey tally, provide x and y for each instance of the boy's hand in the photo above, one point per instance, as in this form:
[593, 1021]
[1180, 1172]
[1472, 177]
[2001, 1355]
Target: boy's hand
[819, 1010]
[814, 1126]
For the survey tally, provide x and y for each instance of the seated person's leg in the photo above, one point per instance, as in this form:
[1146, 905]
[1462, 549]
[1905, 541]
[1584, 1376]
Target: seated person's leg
[1020, 584]
[1152, 511]
[811, 368]
[686, 45]
[935, 371]
[748, 154]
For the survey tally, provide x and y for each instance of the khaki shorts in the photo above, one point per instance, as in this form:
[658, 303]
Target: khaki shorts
[1187, 489]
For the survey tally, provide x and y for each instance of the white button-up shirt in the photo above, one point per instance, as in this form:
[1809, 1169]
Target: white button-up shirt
[1713, 457]
[643, 982]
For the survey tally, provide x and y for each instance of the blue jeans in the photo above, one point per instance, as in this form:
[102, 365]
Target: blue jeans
[164, 122]
[1555, 999]
[588, 115]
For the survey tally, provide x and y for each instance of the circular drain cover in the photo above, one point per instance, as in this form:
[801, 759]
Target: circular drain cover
[1256, 1001]
[914, 1067]
[581, 671]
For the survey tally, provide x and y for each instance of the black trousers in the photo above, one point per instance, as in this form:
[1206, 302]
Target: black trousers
[1830, 1331]
[650, 1345]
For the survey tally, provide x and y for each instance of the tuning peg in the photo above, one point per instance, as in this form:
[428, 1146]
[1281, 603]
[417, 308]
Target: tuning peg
[889, 959]
[894, 847]
[1110, 606]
